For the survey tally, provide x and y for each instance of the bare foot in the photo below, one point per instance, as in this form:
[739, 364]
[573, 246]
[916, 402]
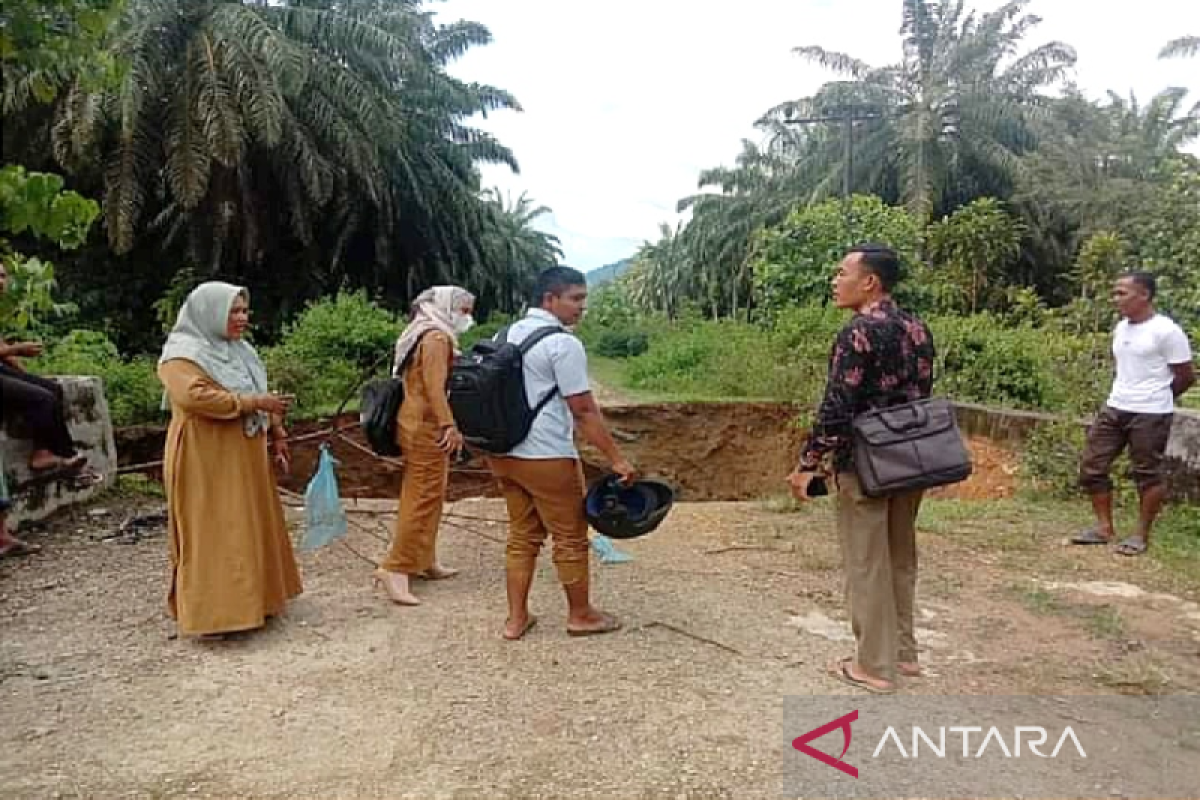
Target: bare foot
[44, 460]
[12, 546]
[514, 629]
[592, 623]
[909, 669]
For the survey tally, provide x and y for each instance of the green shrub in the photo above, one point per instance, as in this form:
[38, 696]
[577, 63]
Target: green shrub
[979, 360]
[131, 387]
[793, 262]
[724, 359]
[347, 328]
[621, 344]
[325, 352]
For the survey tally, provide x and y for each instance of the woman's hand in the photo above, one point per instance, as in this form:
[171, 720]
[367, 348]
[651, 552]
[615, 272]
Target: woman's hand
[451, 440]
[281, 453]
[276, 404]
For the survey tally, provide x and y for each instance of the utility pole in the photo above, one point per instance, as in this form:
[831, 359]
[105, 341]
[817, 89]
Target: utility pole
[847, 117]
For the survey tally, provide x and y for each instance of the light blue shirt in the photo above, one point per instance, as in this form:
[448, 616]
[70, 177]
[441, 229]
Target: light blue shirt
[554, 361]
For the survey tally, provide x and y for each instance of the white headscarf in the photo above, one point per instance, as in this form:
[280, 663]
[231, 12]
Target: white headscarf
[433, 309]
[200, 335]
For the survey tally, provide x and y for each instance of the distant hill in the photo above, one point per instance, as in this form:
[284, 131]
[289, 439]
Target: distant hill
[608, 272]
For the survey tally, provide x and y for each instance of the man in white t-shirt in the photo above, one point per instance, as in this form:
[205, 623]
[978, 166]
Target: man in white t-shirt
[1154, 367]
[542, 478]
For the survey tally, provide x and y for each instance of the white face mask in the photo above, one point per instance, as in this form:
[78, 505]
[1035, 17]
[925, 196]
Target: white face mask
[462, 322]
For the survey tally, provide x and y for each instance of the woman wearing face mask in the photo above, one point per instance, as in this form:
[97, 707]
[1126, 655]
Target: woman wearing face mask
[232, 564]
[427, 435]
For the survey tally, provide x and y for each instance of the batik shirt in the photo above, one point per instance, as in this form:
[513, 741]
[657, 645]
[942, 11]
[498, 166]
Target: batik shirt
[882, 357]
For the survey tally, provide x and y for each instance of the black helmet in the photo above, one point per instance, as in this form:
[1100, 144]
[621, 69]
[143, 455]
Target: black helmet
[627, 512]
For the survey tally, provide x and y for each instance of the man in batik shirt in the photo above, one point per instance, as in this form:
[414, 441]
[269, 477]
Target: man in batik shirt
[882, 357]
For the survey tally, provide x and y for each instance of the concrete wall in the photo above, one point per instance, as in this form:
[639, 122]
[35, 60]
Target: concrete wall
[1183, 454]
[91, 428]
[1012, 428]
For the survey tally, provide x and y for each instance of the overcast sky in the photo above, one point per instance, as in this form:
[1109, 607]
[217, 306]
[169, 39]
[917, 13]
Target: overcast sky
[626, 101]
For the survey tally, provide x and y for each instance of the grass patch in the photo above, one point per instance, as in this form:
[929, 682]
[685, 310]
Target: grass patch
[781, 504]
[613, 373]
[1140, 674]
[1037, 600]
[137, 486]
[1019, 528]
[1176, 541]
[1104, 622]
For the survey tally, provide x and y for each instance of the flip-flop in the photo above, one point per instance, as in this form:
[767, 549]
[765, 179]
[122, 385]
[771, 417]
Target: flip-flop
[84, 480]
[1091, 536]
[841, 671]
[19, 548]
[529, 623]
[1132, 546]
[611, 624]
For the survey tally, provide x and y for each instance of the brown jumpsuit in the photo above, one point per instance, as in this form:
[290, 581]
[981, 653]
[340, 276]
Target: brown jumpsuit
[423, 416]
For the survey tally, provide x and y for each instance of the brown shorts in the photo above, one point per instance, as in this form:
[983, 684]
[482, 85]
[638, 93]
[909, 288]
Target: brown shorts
[1145, 434]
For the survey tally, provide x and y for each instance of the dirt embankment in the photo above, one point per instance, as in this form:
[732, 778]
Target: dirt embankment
[708, 451]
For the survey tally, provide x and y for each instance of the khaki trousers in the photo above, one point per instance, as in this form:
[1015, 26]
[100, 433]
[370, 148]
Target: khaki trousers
[544, 496]
[422, 496]
[879, 550]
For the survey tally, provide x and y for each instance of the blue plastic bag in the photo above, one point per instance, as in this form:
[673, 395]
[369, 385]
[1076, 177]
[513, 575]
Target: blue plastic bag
[607, 551]
[323, 505]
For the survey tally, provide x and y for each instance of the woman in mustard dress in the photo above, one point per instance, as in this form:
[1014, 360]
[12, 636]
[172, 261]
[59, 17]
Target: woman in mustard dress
[427, 435]
[232, 564]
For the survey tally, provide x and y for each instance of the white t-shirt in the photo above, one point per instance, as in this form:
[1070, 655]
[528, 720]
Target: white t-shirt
[1144, 353]
[559, 361]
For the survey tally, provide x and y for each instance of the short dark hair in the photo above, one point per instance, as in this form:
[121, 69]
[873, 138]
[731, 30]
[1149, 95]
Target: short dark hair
[555, 281]
[880, 259]
[1143, 279]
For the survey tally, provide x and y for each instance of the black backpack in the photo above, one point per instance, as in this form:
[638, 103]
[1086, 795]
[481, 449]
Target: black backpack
[487, 392]
[378, 407]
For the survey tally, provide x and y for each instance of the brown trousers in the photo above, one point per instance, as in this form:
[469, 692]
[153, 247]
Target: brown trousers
[544, 497]
[1146, 435]
[422, 494]
[879, 549]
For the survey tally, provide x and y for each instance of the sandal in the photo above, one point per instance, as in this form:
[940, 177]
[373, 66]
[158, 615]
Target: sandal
[1133, 546]
[84, 480]
[530, 621]
[609, 625]
[1091, 536]
[841, 671]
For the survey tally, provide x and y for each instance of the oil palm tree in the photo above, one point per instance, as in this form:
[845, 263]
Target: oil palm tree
[239, 126]
[953, 114]
[1183, 47]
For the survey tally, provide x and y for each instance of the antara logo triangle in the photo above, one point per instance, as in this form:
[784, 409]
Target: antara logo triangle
[801, 743]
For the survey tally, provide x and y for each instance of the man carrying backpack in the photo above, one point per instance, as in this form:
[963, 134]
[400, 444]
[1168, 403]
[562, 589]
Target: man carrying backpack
[542, 477]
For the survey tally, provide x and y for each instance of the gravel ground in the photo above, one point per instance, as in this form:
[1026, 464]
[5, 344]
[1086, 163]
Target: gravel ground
[728, 609]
